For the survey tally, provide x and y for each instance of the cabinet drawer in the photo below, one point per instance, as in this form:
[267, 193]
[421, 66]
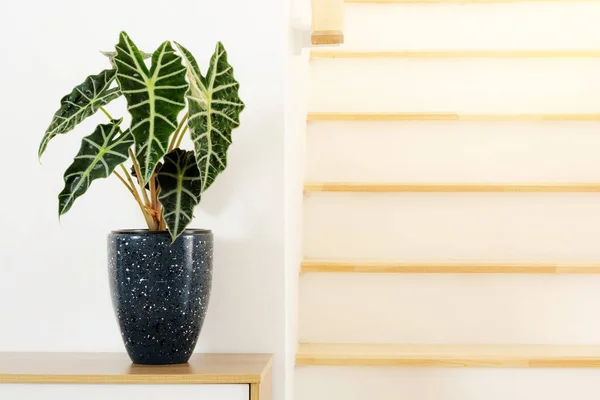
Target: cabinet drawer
[123, 392]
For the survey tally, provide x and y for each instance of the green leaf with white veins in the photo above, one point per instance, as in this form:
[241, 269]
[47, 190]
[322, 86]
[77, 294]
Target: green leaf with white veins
[180, 185]
[82, 102]
[214, 111]
[99, 155]
[154, 96]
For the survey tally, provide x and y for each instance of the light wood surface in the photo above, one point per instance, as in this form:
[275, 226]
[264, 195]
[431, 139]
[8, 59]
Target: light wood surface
[357, 116]
[370, 187]
[320, 53]
[264, 389]
[116, 368]
[440, 355]
[349, 266]
[327, 22]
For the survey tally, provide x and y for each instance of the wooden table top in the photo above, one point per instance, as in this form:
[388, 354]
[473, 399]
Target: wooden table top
[112, 368]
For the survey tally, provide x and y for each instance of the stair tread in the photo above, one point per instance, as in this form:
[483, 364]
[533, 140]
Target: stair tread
[591, 53]
[374, 187]
[383, 266]
[449, 355]
[446, 116]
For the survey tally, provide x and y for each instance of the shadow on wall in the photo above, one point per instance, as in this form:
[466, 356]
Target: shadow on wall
[250, 168]
[241, 325]
[249, 253]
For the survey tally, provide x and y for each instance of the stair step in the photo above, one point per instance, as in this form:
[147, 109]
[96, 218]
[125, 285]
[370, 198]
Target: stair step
[371, 187]
[454, 89]
[470, 24]
[327, 22]
[350, 266]
[442, 355]
[314, 54]
[357, 116]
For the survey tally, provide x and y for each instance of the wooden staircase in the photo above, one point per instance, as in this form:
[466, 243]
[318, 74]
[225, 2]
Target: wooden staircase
[452, 203]
[443, 355]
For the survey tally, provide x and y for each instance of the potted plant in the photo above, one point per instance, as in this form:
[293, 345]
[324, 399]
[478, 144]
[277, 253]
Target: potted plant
[160, 277]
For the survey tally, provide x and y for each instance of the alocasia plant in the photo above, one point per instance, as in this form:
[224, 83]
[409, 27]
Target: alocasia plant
[166, 181]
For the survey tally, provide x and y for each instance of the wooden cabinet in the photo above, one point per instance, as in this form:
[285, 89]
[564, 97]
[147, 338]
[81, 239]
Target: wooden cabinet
[100, 376]
[123, 392]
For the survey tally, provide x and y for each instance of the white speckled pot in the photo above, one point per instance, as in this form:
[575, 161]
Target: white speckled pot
[160, 291]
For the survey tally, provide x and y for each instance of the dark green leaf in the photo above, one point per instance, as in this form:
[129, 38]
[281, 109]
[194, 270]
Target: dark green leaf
[155, 97]
[83, 101]
[156, 170]
[180, 185]
[214, 111]
[99, 155]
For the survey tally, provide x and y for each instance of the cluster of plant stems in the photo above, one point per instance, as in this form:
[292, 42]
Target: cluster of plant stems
[148, 201]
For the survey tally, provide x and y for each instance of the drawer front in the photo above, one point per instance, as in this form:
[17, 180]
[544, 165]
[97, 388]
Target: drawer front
[123, 392]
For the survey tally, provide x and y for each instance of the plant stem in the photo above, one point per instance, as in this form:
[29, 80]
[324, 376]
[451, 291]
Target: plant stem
[153, 224]
[138, 173]
[177, 131]
[147, 217]
[181, 137]
[128, 176]
[153, 194]
[162, 226]
[125, 183]
[106, 113]
[135, 193]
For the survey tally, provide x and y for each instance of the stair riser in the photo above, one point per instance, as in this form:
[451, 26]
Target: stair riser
[489, 227]
[446, 308]
[456, 85]
[523, 25]
[355, 383]
[453, 152]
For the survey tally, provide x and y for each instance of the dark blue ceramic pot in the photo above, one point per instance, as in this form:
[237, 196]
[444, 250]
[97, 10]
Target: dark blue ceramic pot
[160, 292]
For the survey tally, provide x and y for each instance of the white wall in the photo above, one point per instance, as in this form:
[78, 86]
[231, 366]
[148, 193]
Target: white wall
[295, 135]
[53, 286]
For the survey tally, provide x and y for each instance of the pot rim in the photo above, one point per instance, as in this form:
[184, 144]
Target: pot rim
[149, 232]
